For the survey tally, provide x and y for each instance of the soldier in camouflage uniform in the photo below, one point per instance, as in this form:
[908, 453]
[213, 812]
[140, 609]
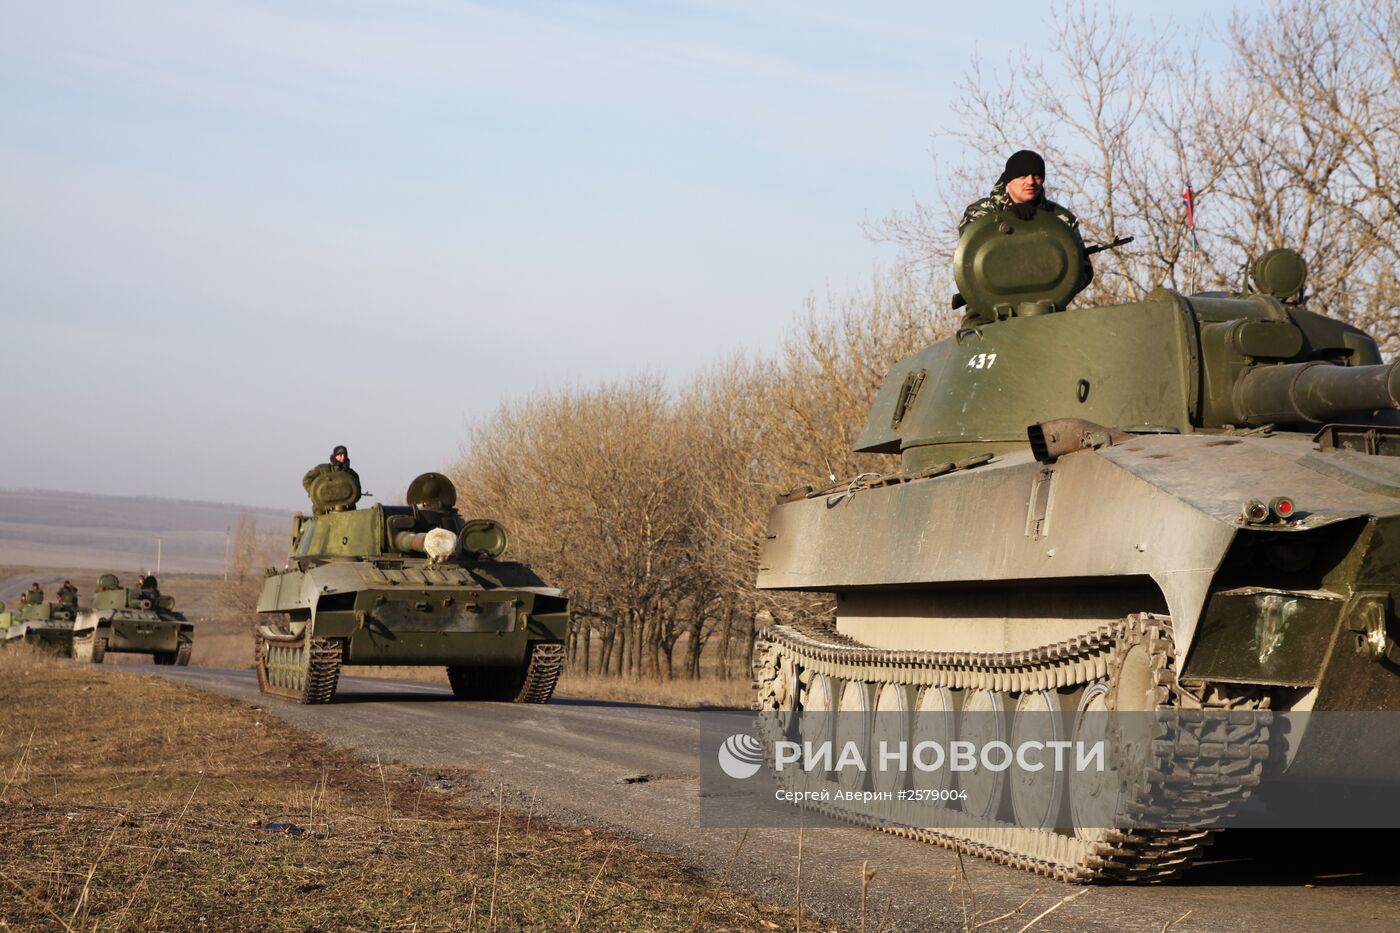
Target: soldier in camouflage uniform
[1021, 190]
[68, 594]
[35, 596]
[340, 460]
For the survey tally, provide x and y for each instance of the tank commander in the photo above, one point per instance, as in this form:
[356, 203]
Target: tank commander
[1021, 190]
[147, 582]
[339, 463]
[35, 596]
[68, 594]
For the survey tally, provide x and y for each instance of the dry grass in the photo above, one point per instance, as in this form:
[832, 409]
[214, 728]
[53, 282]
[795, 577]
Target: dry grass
[710, 692]
[134, 803]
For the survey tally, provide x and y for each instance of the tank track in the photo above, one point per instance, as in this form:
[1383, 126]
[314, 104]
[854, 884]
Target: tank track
[180, 656]
[509, 684]
[1198, 772]
[546, 664]
[302, 669]
[90, 650]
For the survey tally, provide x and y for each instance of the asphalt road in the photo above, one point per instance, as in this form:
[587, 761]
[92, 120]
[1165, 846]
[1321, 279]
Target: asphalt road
[578, 757]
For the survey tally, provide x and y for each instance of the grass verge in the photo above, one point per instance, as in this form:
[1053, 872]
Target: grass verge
[133, 803]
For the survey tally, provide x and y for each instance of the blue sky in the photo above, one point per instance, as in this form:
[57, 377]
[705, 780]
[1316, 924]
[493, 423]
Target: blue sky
[235, 233]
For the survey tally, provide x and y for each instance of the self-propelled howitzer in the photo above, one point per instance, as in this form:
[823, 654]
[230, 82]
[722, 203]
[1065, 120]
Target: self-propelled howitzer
[136, 621]
[415, 584]
[46, 624]
[1185, 502]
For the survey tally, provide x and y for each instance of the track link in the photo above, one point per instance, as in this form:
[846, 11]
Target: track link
[1204, 759]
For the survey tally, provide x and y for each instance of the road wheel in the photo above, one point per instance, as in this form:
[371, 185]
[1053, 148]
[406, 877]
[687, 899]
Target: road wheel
[983, 721]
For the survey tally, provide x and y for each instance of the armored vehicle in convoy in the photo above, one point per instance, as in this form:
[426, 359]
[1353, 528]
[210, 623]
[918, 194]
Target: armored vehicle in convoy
[415, 584]
[138, 620]
[1182, 505]
[38, 622]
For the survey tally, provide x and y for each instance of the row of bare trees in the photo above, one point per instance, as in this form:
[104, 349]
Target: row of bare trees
[646, 505]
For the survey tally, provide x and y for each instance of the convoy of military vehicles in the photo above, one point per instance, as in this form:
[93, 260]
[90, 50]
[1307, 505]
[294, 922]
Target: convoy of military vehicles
[140, 620]
[1185, 505]
[416, 584]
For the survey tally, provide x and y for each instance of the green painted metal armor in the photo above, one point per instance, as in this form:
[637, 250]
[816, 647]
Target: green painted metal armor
[1226, 465]
[131, 621]
[45, 624]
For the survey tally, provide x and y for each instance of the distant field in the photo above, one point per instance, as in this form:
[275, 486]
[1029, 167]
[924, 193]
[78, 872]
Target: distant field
[40, 528]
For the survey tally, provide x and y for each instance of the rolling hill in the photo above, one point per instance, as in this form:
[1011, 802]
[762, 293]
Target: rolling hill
[43, 528]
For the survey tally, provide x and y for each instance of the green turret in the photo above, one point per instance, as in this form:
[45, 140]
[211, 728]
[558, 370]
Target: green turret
[1168, 363]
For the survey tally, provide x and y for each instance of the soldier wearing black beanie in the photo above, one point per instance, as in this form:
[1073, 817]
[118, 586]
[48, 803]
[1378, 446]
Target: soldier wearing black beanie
[1023, 162]
[1021, 190]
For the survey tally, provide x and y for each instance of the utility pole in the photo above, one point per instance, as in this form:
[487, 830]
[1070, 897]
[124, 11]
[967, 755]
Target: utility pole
[157, 556]
[226, 554]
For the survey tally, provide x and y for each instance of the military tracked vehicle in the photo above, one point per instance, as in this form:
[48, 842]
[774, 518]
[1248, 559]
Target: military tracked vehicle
[415, 584]
[132, 621]
[1186, 504]
[42, 623]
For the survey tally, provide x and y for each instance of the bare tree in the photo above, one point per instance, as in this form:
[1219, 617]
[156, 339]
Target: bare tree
[1291, 142]
[253, 550]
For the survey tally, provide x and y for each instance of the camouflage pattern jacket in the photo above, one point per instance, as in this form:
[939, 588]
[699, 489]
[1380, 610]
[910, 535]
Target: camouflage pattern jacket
[320, 470]
[999, 200]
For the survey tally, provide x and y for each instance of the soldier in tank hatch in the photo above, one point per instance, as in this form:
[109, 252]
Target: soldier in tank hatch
[147, 581]
[68, 594]
[35, 596]
[1021, 190]
[327, 495]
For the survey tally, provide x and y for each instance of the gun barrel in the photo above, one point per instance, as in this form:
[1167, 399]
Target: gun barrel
[437, 544]
[1101, 247]
[1314, 392]
[410, 541]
